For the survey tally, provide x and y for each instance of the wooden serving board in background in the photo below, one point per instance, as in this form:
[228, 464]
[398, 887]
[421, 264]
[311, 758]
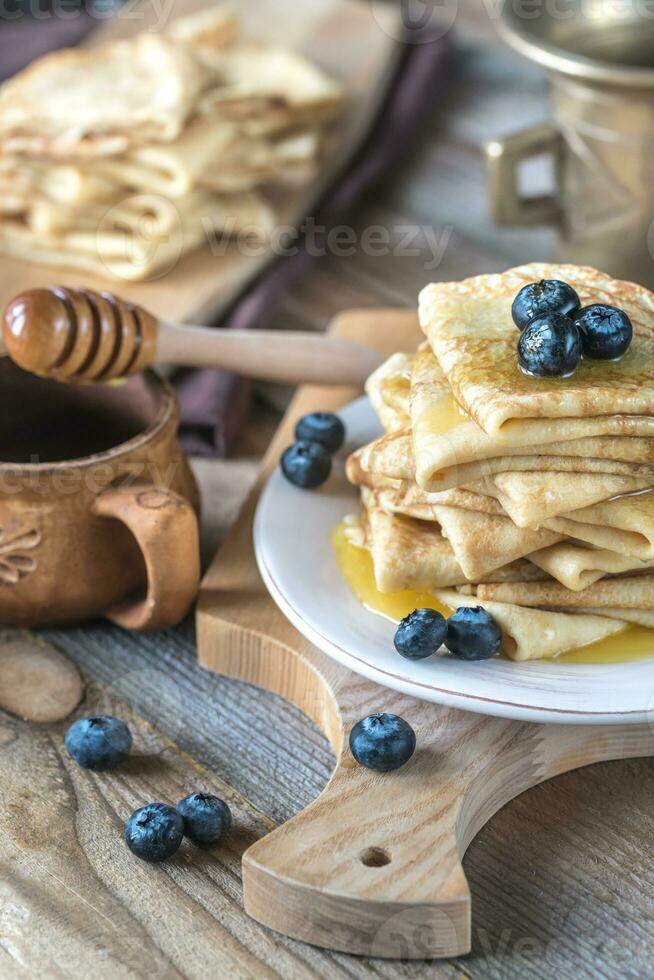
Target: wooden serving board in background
[353, 41]
[373, 866]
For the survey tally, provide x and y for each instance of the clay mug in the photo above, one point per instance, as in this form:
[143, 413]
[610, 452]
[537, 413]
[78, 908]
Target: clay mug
[599, 57]
[97, 504]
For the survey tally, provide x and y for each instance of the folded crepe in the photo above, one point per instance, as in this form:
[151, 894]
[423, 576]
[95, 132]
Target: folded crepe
[483, 542]
[577, 566]
[388, 389]
[191, 114]
[414, 555]
[472, 334]
[534, 634]
[625, 525]
[446, 439]
[531, 499]
[118, 246]
[93, 102]
[633, 592]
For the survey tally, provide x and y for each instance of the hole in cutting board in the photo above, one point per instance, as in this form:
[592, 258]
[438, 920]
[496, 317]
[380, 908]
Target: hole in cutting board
[375, 857]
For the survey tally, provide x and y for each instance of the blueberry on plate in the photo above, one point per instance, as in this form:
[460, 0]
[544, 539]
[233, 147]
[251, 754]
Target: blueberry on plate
[323, 427]
[539, 298]
[382, 742]
[420, 634]
[306, 464]
[154, 832]
[606, 331]
[206, 818]
[550, 347]
[100, 742]
[472, 634]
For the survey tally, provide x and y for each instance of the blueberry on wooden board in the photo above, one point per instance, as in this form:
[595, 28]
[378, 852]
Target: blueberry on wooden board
[382, 742]
[206, 818]
[154, 832]
[99, 742]
[323, 427]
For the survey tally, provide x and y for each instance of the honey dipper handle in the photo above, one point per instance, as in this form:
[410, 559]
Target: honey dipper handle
[84, 335]
[287, 357]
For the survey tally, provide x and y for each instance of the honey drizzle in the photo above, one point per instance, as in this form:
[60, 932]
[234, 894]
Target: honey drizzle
[355, 563]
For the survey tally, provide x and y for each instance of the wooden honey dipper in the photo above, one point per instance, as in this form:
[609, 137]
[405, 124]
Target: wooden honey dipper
[82, 335]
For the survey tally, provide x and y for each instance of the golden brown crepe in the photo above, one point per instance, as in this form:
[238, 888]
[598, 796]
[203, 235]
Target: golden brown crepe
[633, 592]
[577, 566]
[534, 634]
[472, 334]
[412, 554]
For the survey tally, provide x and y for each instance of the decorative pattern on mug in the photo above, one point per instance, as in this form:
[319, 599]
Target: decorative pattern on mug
[14, 563]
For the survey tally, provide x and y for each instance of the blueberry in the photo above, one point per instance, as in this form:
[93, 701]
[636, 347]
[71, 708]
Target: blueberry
[539, 298]
[382, 742]
[420, 634]
[472, 634]
[306, 464]
[323, 427]
[606, 331]
[154, 832]
[550, 347]
[99, 743]
[206, 818]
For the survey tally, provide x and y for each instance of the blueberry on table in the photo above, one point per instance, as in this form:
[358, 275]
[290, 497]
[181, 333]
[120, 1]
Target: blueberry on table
[550, 347]
[606, 331]
[323, 427]
[420, 634]
[100, 742]
[306, 464]
[539, 298]
[154, 832]
[472, 634]
[206, 818]
[382, 742]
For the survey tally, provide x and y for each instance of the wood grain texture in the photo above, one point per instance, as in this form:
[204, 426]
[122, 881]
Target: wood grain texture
[561, 878]
[374, 865]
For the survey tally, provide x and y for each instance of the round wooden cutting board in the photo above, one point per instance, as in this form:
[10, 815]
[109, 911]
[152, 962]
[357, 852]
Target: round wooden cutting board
[373, 866]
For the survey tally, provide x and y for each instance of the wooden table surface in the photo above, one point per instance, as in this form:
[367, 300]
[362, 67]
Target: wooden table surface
[561, 878]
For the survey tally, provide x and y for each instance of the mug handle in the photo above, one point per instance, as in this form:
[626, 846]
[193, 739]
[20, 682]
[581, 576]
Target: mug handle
[503, 158]
[165, 527]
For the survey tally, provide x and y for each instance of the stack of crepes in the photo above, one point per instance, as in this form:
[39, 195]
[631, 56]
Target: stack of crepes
[116, 160]
[531, 497]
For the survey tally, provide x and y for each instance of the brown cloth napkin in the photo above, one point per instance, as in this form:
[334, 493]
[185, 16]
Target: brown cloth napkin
[214, 403]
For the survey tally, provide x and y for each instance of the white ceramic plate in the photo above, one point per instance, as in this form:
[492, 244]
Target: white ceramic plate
[292, 540]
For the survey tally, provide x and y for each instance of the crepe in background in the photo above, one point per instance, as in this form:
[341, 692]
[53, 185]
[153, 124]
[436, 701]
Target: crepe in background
[93, 102]
[116, 249]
